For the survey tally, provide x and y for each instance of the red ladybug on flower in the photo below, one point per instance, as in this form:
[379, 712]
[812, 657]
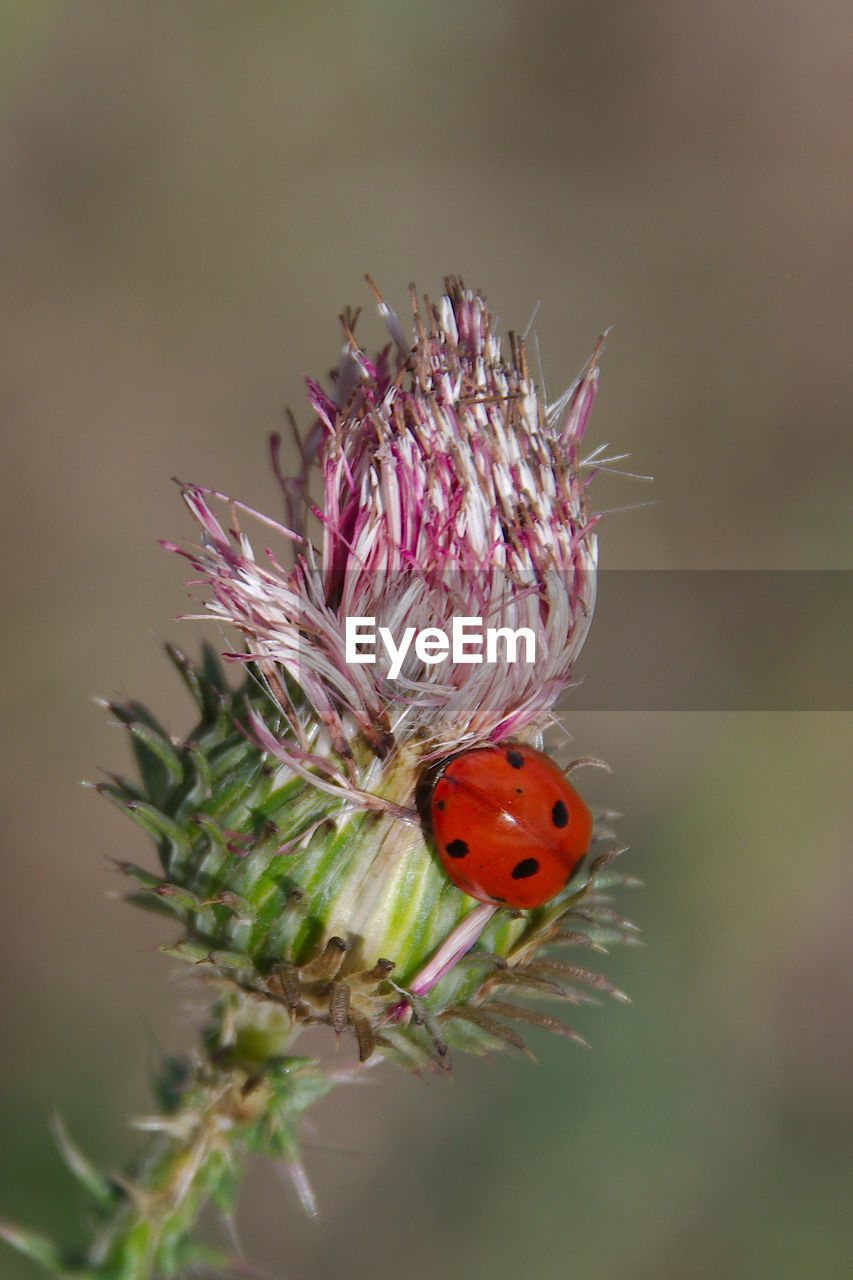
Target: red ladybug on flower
[508, 825]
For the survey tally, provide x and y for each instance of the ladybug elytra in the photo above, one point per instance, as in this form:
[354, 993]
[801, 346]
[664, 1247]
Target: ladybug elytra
[508, 825]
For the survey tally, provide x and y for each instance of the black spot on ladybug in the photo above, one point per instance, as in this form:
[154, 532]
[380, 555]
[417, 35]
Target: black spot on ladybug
[515, 759]
[560, 814]
[524, 869]
[439, 804]
[456, 849]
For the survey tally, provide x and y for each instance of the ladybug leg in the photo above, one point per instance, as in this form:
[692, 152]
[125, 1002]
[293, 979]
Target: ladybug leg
[364, 800]
[588, 762]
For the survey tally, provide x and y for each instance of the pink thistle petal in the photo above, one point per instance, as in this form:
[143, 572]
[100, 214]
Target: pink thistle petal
[457, 944]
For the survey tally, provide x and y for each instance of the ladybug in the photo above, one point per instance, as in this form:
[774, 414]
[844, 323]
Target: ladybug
[508, 825]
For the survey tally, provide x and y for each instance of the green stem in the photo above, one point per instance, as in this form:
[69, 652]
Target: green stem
[241, 1095]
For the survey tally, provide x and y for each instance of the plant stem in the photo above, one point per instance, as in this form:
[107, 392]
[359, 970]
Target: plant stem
[234, 1098]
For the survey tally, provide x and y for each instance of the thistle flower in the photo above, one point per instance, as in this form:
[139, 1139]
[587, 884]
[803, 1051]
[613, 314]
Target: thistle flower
[291, 826]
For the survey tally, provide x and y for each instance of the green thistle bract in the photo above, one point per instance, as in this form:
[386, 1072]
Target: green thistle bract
[289, 824]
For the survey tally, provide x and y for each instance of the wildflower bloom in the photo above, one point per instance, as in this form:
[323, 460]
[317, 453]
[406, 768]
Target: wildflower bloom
[290, 824]
[450, 492]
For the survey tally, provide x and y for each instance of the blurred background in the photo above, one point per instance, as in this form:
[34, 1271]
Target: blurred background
[189, 195]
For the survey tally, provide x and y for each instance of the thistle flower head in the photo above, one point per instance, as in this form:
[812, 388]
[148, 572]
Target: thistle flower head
[451, 491]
